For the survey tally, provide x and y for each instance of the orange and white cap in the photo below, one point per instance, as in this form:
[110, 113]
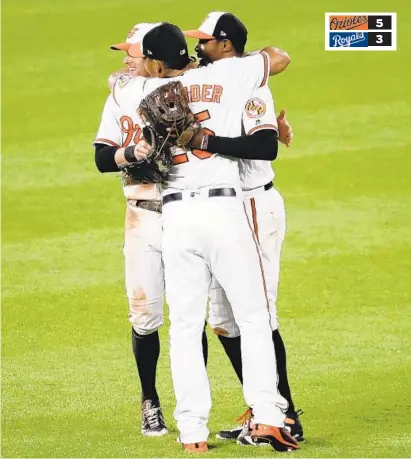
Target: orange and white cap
[135, 36]
[222, 26]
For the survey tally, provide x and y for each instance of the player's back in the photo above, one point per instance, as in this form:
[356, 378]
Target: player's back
[217, 95]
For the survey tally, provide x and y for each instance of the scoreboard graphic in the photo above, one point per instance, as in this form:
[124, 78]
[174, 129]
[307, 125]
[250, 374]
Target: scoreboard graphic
[360, 31]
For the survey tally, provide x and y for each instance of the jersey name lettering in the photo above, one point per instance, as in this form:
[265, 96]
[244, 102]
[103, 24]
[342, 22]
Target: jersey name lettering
[204, 93]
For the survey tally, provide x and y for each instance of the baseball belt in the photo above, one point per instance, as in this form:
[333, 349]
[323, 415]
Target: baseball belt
[154, 206]
[212, 193]
[268, 186]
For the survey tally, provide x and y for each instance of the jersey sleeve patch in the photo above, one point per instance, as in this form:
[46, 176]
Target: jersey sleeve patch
[122, 80]
[255, 108]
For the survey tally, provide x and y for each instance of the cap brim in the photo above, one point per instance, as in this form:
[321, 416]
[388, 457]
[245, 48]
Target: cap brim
[197, 34]
[121, 47]
[135, 50]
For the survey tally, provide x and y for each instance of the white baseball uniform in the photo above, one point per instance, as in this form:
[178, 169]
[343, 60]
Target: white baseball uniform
[142, 246]
[204, 236]
[265, 209]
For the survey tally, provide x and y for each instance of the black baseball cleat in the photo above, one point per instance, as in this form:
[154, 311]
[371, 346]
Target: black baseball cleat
[233, 434]
[244, 437]
[241, 435]
[229, 434]
[152, 420]
[293, 424]
[277, 437]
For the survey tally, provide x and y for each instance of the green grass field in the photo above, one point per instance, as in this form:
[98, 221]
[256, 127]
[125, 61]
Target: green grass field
[69, 385]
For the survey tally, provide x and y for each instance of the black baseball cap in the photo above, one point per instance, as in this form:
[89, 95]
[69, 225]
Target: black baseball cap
[222, 26]
[164, 42]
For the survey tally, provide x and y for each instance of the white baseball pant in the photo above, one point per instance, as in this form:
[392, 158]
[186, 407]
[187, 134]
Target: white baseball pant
[266, 213]
[144, 269]
[202, 237]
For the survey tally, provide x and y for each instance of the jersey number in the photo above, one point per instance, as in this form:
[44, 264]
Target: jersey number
[200, 154]
[134, 133]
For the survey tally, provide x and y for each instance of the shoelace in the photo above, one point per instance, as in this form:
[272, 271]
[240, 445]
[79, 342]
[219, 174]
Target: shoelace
[246, 416]
[152, 416]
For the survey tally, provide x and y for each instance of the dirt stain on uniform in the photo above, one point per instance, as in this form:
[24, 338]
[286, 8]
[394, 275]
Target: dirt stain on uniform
[220, 331]
[132, 219]
[138, 303]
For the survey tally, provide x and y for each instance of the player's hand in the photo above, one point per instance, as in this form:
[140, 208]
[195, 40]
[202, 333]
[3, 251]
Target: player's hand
[172, 134]
[142, 149]
[285, 131]
[197, 138]
[193, 142]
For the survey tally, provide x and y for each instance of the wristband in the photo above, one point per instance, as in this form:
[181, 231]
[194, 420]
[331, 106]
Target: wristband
[129, 154]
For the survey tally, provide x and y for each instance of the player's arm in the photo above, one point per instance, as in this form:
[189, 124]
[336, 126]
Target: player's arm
[108, 158]
[259, 126]
[108, 138]
[104, 157]
[262, 145]
[252, 71]
[278, 60]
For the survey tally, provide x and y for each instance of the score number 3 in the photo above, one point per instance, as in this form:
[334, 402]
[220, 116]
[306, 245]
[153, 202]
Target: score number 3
[200, 154]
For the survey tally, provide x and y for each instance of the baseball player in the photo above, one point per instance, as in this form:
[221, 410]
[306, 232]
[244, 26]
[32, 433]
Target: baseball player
[264, 206]
[120, 135]
[206, 232]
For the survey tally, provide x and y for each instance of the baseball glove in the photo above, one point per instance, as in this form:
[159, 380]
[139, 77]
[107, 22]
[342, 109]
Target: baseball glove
[166, 112]
[152, 169]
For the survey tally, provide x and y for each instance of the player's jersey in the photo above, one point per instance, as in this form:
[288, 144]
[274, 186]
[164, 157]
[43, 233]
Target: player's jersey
[218, 94]
[120, 129]
[259, 113]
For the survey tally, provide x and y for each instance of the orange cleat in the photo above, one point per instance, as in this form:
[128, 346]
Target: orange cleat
[200, 447]
[278, 437]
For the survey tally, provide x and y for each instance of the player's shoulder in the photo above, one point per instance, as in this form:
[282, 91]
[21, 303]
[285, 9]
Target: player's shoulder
[263, 92]
[221, 68]
[127, 87]
[240, 61]
[151, 84]
[237, 65]
[124, 80]
[194, 73]
[223, 64]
